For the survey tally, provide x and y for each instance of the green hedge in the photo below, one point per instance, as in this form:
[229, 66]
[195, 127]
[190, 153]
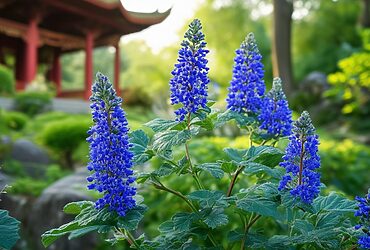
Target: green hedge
[6, 81]
[32, 103]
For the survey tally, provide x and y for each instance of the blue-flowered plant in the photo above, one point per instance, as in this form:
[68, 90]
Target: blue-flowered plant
[110, 155]
[233, 198]
[363, 212]
[190, 76]
[247, 85]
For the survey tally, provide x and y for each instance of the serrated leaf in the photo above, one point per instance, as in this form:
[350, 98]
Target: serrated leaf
[213, 168]
[229, 167]
[216, 218]
[139, 141]
[183, 221]
[334, 203]
[164, 170]
[168, 139]
[159, 125]
[259, 205]
[253, 168]
[209, 199]
[132, 218]
[76, 207]
[9, 228]
[241, 119]
[235, 154]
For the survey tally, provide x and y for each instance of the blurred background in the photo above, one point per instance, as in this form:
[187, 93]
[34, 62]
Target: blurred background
[50, 51]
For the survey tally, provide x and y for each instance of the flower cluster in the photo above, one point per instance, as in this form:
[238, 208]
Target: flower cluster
[190, 76]
[301, 160]
[247, 86]
[275, 116]
[110, 157]
[364, 213]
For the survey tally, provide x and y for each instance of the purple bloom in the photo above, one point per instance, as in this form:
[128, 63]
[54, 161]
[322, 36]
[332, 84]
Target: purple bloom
[363, 211]
[301, 160]
[190, 76]
[247, 86]
[110, 157]
[275, 116]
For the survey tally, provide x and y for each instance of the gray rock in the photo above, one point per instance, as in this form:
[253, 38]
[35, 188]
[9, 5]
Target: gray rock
[33, 158]
[47, 212]
[26, 151]
[315, 82]
[4, 181]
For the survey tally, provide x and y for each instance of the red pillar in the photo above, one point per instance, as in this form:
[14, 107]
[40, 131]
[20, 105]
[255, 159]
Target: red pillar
[56, 72]
[19, 67]
[89, 46]
[117, 66]
[30, 57]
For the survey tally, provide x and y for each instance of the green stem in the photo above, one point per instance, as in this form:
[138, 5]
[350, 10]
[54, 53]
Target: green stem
[131, 237]
[247, 227]
[193, 173]
[233, 181]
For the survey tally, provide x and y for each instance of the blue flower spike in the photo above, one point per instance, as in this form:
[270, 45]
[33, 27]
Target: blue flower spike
[363, 211]
[247, 85]
[190, 80]
[301, 161]
[275, 116]
[110, 156]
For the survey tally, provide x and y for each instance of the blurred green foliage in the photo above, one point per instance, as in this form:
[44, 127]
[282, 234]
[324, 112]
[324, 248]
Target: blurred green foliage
[32, 103]
[6, 81]
[34, 187]
[64, 136]
[325, 35]
[15, 120]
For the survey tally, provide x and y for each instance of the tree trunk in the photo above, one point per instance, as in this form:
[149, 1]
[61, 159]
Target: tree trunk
[281, 45]
[365, 16]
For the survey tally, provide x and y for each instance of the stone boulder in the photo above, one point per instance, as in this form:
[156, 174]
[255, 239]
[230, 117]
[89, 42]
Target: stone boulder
[32, 157]
[315, 83]
[47, 212]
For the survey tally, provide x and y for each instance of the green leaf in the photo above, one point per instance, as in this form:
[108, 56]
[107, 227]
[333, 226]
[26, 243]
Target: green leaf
[213, 168]
[209, 199]
[183, 221]
[168, 139]
[52, 235]
[164, 170]
[259, 205]
[334, 203]
[241, 119]
[9, 228]
[235, 154]
[159, 125]
[253, 168]
[132, 219]
[139, 141]
[76, 207]
[229, 167]
[216, 218]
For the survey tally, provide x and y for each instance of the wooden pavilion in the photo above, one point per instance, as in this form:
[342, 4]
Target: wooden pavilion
[40, 31]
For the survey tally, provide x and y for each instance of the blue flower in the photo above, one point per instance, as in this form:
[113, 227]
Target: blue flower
[275, 116]
[247, 86]
[301, 161]
[363, 211]
[190, 76]
[110, 156]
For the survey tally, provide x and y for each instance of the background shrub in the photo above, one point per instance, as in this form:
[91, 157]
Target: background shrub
[15, 120]
[6, 81]
[64, 137]
[32, 103]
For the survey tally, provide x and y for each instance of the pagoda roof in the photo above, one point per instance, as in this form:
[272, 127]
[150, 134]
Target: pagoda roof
[64, 23]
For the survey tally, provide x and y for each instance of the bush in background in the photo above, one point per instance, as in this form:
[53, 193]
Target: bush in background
[15, 120]
[32, 103]
[64, 137]
[6, 81]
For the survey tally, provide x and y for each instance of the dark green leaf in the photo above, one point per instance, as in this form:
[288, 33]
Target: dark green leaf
[9, 228]
[241, 119]
[216, 218]
[164, 170]
[209, 199]
[213, 168]
[229, 167]
[131, 220]
[168, 139]
[77, 206]
[235, 154]
[253, 168]
[183, 221]
[139, 141]
[159, 125]
[259, 205]
[334, 203]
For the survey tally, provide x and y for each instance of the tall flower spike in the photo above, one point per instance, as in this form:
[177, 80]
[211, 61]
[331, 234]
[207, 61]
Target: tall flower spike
[301, 160]
[247, 86]
[190, 76]
[363, 212]
[275, 116]
[110, 157]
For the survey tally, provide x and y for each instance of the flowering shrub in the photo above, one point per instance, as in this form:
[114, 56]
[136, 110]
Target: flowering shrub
[283, 188]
